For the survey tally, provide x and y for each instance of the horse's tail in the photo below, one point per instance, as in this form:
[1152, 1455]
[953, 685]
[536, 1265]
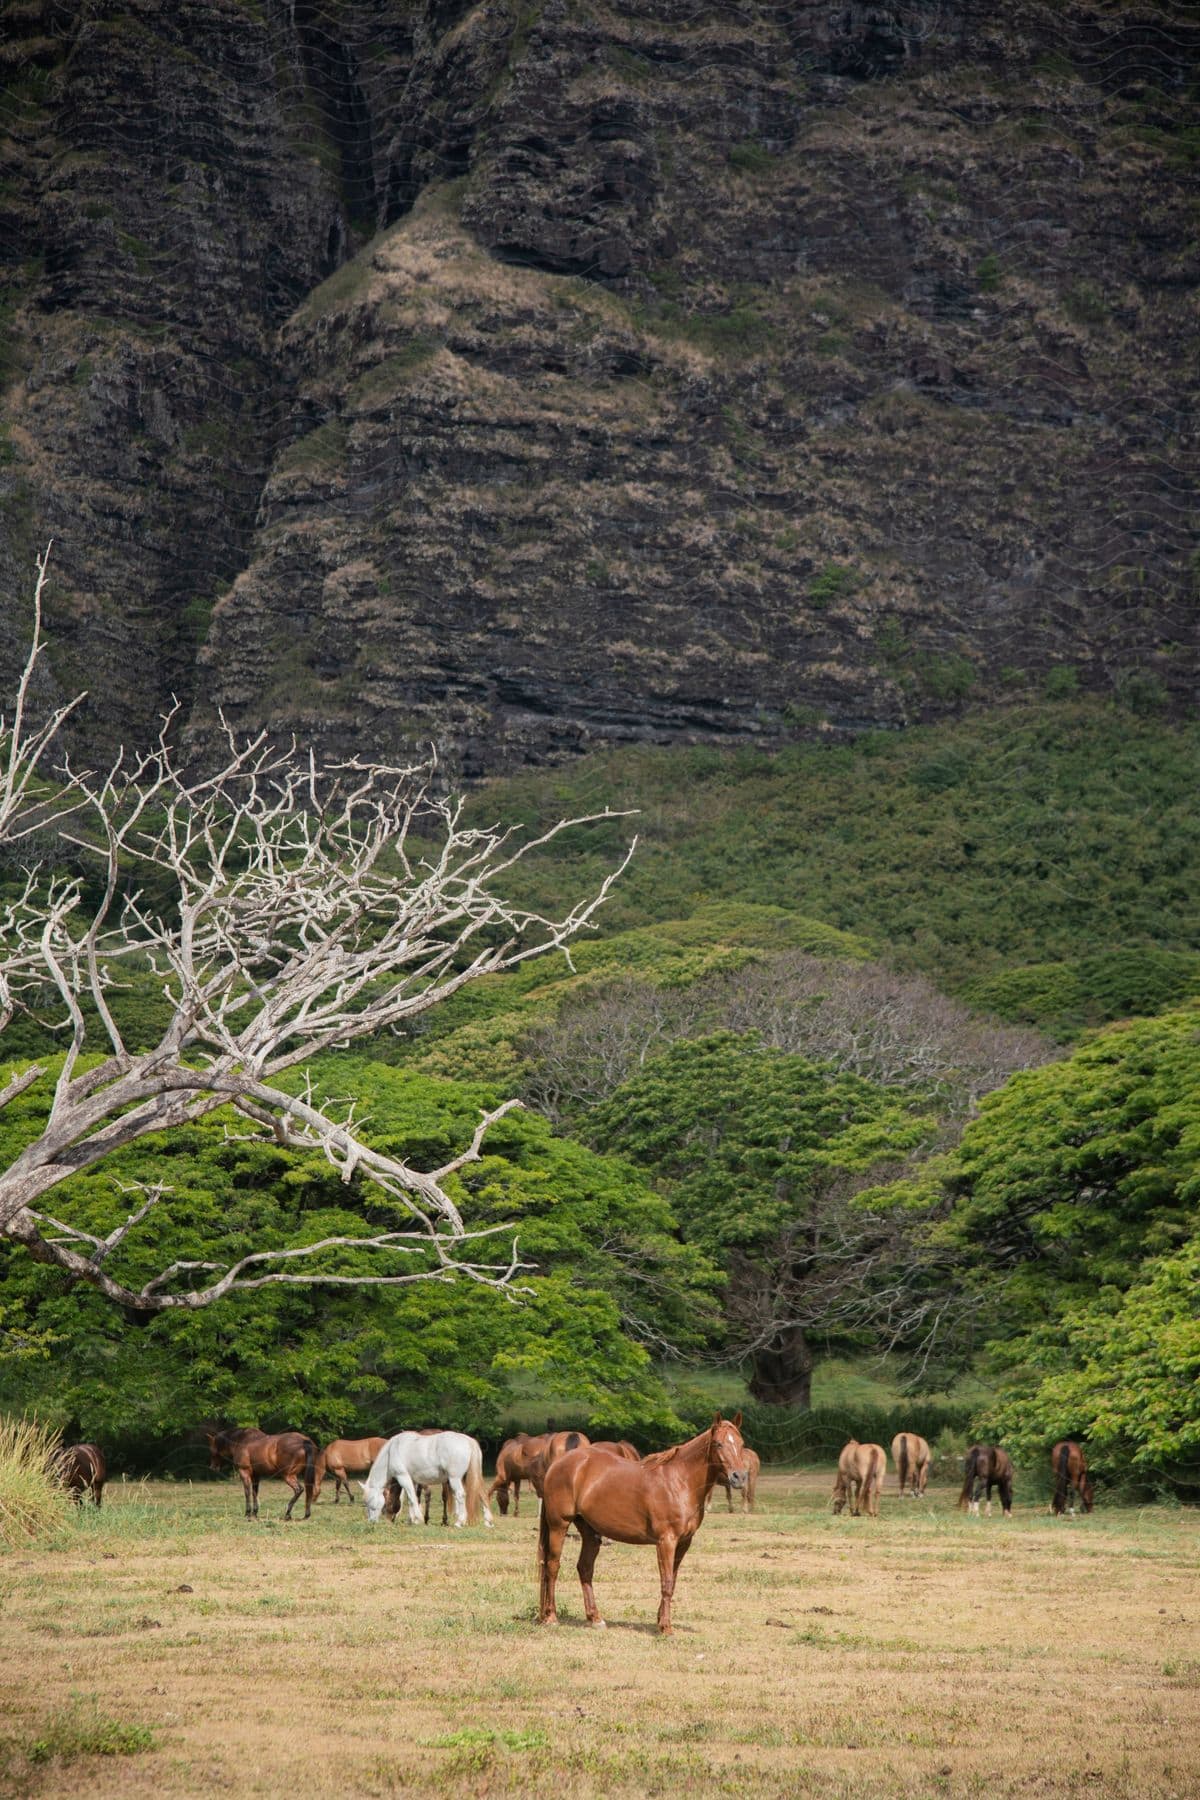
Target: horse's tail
[964, 1499]
[310, 1462]
[902, 1461]
[473, 1483]
[1063, 1480]
[572, 1441]
[318, 1473]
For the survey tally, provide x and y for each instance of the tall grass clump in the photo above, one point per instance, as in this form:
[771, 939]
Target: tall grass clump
[31, 1502]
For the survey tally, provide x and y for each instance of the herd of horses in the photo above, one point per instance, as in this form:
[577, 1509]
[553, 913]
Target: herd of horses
[606, 1491]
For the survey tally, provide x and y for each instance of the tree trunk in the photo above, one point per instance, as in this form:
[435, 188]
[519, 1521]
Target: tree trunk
[783, 1371]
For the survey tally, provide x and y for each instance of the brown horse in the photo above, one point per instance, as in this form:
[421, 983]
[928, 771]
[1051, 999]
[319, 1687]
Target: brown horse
[750, 1489]
[81, 1469]
[987, 1467]
[516, 1463]
[1069, 1467]
[860, 1472]
[554, 1445]
[341, 1459]
[910, 1454]
[254, 1454]
[659, 1501]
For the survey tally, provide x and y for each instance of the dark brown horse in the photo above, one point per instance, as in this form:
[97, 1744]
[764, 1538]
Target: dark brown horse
[81, 1469]
[1070, 1470]
[516, 1463]
[254, 1454]
[987, 1467]
[659, 1501]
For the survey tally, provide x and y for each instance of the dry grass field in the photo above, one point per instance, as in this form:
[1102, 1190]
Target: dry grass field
[168, 1647]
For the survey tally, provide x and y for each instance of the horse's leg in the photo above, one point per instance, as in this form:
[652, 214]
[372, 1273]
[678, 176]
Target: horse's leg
[667, 1564]
[297, 1487]
[460, 1501]
[517, 1498]
[585, 1566]
[410, 1494]
[1006, 1496]
[728, 1497]
[553, 1537]
[446, 1506]
[250, 1489]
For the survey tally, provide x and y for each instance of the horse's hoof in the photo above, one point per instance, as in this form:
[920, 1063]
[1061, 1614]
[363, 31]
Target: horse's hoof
[552, 1620]
[598, 1624]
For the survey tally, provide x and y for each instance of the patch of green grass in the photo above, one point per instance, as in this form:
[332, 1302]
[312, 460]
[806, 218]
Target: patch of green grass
[81, 1729]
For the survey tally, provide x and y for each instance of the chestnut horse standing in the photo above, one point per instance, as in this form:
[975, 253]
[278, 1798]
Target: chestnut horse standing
[659, 1501]
[516, 1463]
[254, 1454]
[910, 1454]
[860, 1472]
[341, 1459]
[1069, 1466]
[753, 1469]
[81, 1469]
[987, 1467]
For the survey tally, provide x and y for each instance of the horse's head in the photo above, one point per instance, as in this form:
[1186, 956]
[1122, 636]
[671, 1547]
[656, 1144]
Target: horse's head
[374, 1498]
[502, 1499]
[1086, 1492]
[214, 1449]
[726, 1451]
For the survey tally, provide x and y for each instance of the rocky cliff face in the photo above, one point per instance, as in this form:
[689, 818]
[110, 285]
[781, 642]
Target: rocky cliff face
[526, 378]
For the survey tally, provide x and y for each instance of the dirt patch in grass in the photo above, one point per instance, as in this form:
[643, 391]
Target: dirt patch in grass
[813, 1655]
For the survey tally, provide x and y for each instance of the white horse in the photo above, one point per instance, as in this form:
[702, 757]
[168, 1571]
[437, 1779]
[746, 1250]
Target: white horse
[415, 1460]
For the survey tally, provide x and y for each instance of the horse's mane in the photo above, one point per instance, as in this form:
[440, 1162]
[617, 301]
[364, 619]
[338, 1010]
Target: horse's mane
[657, 1457]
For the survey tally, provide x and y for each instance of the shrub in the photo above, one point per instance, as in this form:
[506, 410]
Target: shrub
[751, 157]
[831, 583]
[31, 1501]
[988, 274]
[1061, 683]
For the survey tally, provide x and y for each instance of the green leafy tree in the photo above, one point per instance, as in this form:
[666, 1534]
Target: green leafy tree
[609, 1289]
[759, 1153]
[1122, 1373]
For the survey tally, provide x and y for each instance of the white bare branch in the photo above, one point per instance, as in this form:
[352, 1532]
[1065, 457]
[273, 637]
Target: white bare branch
[28, 802]
[283, 909]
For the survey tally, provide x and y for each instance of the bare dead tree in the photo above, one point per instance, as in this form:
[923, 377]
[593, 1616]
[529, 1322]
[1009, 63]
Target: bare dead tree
[897, 1030]
[28, 802]
[296, 909]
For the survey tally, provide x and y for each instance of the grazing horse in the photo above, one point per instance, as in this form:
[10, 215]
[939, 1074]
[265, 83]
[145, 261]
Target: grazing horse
[81, 1469]
[659, 1501]
[554, 1445]
[516, 1463]
[749, 1489]
[987, 1467]
[420, 1459]
[910, 1454]
[254, 1454]
[1070, 1470]
[860, 1472]
[341, 1459]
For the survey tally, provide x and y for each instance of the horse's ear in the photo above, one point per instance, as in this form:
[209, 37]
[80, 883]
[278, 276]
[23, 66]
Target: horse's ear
[736, 1420]
[716, 1419]
[363, 1486]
